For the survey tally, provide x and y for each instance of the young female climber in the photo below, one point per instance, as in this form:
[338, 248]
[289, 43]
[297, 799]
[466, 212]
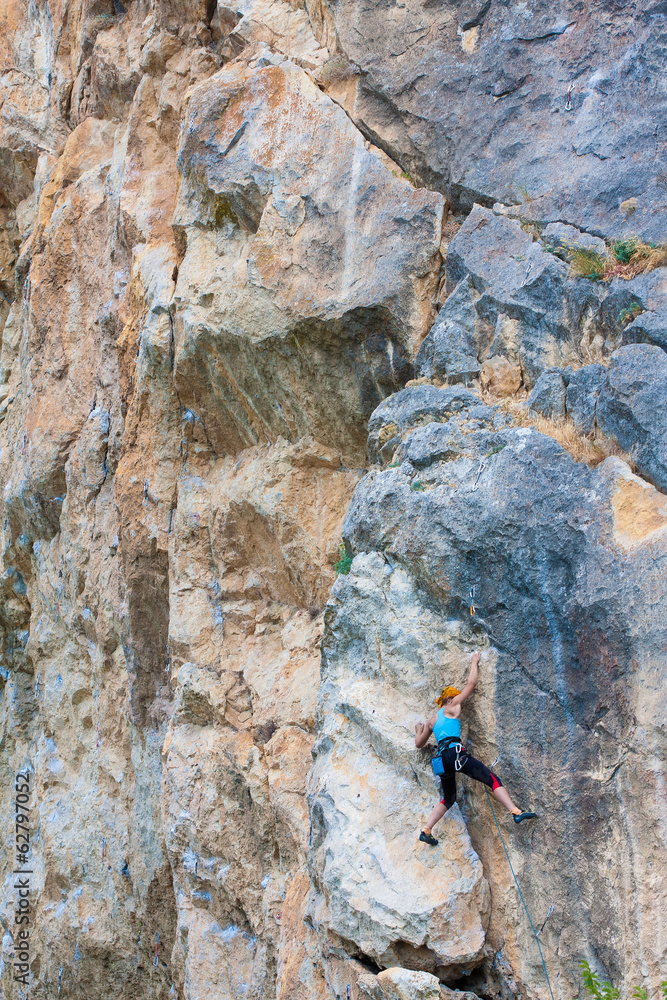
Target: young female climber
[446, 727]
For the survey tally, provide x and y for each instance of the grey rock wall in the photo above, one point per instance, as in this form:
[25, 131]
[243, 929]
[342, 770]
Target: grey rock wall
[558, 105]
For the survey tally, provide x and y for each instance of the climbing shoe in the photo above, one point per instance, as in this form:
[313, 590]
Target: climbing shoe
[524, 815]
[428, 839]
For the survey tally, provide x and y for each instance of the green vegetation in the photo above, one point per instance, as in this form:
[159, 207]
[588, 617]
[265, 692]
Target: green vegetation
[408, 177]
[586, 263]
[344, 563]
[416, 485]
[605, 991]
[494, 451]
[627, 315]
[624, 249]
[596, 989]
[525, 192]
[623, 258]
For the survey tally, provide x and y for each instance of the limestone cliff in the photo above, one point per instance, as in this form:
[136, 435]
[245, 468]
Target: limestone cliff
[284, 276]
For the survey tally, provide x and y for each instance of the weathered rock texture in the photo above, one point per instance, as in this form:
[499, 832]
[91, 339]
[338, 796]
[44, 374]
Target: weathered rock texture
[226, 249]
[558, 105]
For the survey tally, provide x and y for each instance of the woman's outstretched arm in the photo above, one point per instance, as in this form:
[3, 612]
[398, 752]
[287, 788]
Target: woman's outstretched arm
[470, 683]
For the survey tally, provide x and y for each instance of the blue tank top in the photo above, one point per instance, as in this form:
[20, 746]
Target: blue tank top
[444, 727]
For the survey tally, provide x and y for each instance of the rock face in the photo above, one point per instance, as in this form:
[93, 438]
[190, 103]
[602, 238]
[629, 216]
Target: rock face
[546, 106]
[374, 891]
[512, 298]
[307, 265]
[565, 565]
[230, 238]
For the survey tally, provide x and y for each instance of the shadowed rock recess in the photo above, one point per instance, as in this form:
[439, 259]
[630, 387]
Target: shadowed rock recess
[281, 278]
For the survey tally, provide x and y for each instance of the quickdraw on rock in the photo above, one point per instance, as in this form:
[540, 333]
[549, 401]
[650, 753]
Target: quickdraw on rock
[479, 473]
[156, 959]
[473, 608]
[568, 102]
[529, 268]
[60, 976]
[549, 912]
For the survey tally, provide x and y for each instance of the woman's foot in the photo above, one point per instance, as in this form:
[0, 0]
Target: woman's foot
[428, 838]
[519, 817]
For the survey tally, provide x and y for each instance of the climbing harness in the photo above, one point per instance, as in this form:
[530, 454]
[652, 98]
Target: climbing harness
[516, 882]
[449, 743]
[156, 960]
[568, 102]
[473, 608]
[452, 743]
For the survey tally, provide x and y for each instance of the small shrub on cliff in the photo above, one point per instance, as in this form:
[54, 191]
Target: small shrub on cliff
[627, 315]
[623, 250]
[586, 263]
[344, 563]
[625, 258]
[593, 986]
[605, 991]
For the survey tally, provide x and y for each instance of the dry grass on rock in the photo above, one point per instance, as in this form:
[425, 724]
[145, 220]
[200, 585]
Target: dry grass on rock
[589, 448]
[625, 258]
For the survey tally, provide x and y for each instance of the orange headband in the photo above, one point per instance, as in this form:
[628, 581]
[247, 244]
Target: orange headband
[449, 692]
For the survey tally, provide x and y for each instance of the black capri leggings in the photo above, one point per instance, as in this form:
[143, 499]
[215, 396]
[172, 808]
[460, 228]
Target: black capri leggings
[470, 766]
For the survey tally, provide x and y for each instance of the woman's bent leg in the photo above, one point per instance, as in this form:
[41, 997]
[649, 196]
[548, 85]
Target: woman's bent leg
[448, 785]
[480, 772]
[435, 816]
[502, 795]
